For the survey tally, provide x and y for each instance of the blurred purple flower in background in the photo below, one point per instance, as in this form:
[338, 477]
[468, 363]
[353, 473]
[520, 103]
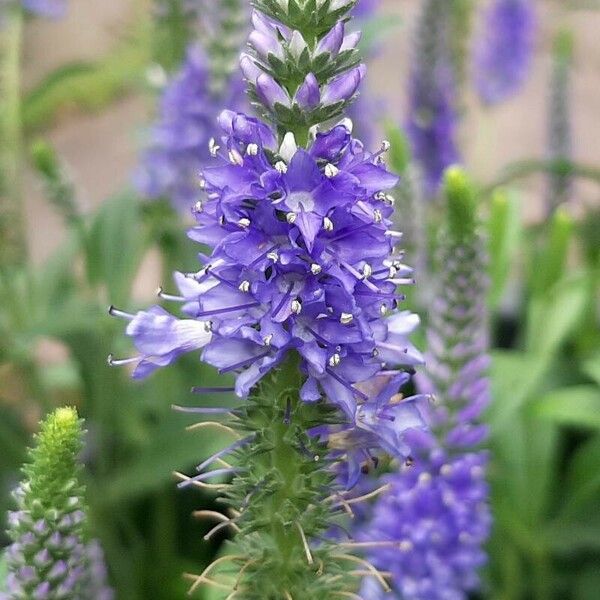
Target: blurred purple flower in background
[179, 141]
[504, 51]
[432, 120]
[53, 9]
[437, 508]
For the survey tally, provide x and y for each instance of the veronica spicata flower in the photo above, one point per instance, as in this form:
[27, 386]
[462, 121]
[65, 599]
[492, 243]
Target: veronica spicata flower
[50, 556]
[438, 506]
[504, 51]
[432, 120]
[297, 297]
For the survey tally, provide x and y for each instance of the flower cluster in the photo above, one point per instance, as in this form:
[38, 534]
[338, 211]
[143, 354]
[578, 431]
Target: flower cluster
[50, 556]
[179, 150]
[432, 119]
[438, 506]
[505, 50]
[303, 261]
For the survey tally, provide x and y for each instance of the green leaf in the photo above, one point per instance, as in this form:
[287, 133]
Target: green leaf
[591, 368]
[550, 261]
[578, 406]
[552, 317]
[115, 246]
[583, 481]
[573, 537]
[504, 233]
[515, 377]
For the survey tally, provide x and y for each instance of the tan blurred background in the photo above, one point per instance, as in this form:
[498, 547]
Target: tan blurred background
[100, 149]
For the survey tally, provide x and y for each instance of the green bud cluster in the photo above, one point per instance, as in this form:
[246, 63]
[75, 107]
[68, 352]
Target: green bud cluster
[51, 557]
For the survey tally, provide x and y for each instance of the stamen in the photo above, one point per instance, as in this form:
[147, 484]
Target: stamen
[296, 307]
[268, 254]
[347, 385]
[315, 269]
[346, 318]
[168, 297]
[220, 426]
[335, 360]
[212, 390]
[370, 495]
[372, 570]
[200, 410]
[252, 149]
[198, 207]
[210, 475]
[218, 528]
[215, 563]
[235, 157]
[237, 444]
[331, 170]
[219, 311]
[198, 580]
[327, 224]
[291, 217]
[213, 148]
[307, 551]
[119, 362]
[244, 286]
[244, 223]
[281, 167]
[216, 487]
[115, 312]
[244, 363]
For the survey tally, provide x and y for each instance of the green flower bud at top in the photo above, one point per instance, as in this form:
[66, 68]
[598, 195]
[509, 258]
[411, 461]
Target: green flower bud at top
[51, 556]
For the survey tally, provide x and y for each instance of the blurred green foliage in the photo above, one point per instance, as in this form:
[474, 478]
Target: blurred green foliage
[545, 416]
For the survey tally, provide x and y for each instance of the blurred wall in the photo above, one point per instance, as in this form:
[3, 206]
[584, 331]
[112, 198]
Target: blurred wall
[100, 149]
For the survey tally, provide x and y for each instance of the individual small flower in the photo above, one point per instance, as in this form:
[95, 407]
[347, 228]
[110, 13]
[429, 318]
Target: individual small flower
[50, 555]
[432, 119]
[179, 148]
[504, 51]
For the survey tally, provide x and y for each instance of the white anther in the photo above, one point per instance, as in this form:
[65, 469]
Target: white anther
[213, 148]
[281, 166]
[252, 149]
[367, 271]
[424, 478]
[335, 360]
[201, 183]
[446, 470]
[346, 318]
[244, 286]
[327, 224]
[406, 546]
[244, 222]
[296, 307]
[392, 273]
[383, 310]
[235, 157]
[377, 216]
[385, 145]
[291, 217]
[273, 256]
[380, 196]
[315, 269]
[390, 200]
[268, 339]
[331, 170]
[198, 208]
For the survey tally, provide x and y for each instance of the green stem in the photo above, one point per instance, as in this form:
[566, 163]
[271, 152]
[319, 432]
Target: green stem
[12, 232]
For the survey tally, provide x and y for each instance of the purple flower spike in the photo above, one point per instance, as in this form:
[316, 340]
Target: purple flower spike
[504, 51]
[180, 140]
[437, 508]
